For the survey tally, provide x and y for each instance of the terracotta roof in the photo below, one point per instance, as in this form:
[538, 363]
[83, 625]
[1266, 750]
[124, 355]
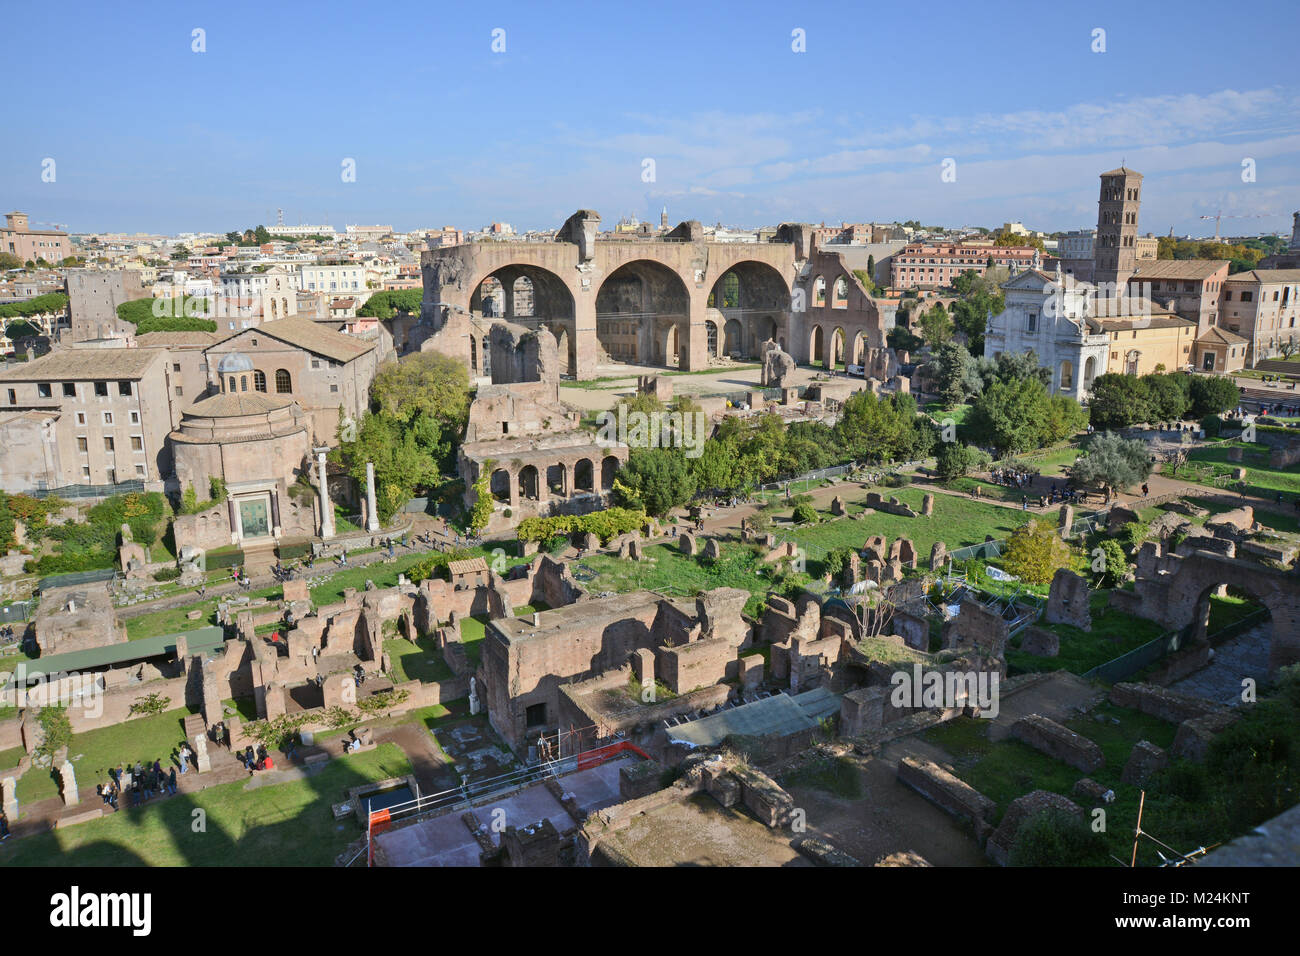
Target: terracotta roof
[309, 335]
[1177, 268]
[85, 364]
[228, 405]
[1222, 337]
[1125, 323]
[165, 339]
[1268, 275]
[468, 566]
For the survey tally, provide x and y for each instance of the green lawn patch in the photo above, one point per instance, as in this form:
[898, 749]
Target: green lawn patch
[288, 824]
[417, 660]
[1113, 634]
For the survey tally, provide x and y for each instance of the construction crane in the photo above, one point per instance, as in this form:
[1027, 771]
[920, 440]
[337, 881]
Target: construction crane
[1219, 215]
[57, 225]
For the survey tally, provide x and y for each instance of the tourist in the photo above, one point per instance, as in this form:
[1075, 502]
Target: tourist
[1145, 490]
[185, 757]
[171, 781]
[4, 828]
[250, 760]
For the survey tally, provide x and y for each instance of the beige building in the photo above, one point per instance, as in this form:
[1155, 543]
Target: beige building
[100, 418]
[187, 356]
[258, 445]
[322, 370]
[247, 298]
[1142, 344]
[1261, 307]
[29, 245]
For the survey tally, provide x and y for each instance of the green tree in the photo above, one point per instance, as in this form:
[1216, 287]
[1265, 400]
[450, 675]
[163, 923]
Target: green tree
[1212, 395]
[1114, 564]
[1034, 552]
[1119, 400]
[955, 460]
[956, 374]
[1011, 416]
[936, 326]
[655, 480]
[401, 461]
[1053, 837]
[10, 261]
[424, 383]
[261, 235]
[1112, 462]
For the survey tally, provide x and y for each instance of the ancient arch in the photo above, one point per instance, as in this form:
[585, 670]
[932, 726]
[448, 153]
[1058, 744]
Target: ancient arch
[583, 475]
[640, 309]
[836, 358]
[840, 297]
[859, 353]
[557, 479]
[528, 483]
[1066, 381]
[1179, 597]
[541, 295]
[499, 485]
[816, 347]
[754, 299]
[608, 469]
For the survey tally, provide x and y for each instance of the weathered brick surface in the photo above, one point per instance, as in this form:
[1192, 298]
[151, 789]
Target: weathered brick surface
[1051, 738]
[947, 792]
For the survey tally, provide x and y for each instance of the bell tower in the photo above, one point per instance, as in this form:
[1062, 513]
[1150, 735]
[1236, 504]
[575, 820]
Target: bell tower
[1115, 253]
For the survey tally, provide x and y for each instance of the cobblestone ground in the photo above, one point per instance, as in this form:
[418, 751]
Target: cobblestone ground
[1239, 658]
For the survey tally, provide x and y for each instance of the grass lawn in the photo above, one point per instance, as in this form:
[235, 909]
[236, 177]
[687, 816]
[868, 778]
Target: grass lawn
[1260, 479]
[145, 739]
[1278, 521]
[957, 522]
[288, 824]
[1008, 769]
[835, 775]
[666, 569]
[420, 660]
[939, 413]
[1112, 634]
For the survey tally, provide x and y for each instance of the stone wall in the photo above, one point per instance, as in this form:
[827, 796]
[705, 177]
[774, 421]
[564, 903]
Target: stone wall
[1049, 737]
[1161, 702]
[948, 793]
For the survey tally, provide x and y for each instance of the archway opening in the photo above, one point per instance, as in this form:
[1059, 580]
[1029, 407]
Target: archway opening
[583, 475]
[608, 469]
[499, 485]
[555, 480]
[639, 307]
[528, 485]
[816, 348]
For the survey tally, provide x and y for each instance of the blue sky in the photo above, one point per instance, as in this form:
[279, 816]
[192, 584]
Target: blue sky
[148, 135]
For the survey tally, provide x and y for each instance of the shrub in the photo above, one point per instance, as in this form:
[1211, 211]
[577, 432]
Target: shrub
[1034, 552]
[806, 514]
[1213, 425]
[167, 574]
[1115, 569]
[1053, 837]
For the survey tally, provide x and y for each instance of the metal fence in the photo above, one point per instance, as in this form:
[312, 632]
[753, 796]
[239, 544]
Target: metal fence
[1128, 664]
[16, 612]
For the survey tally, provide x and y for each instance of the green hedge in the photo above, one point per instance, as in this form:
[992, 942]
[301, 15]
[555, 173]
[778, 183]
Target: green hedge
[604, 524]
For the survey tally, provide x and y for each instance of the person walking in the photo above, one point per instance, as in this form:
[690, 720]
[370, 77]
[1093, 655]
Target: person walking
[171, 781]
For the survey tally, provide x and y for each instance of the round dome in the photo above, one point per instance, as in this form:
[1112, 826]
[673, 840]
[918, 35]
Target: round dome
[234, 362]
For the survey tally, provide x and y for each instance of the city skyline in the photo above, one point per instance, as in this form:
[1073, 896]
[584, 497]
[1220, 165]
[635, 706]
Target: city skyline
[756, 133]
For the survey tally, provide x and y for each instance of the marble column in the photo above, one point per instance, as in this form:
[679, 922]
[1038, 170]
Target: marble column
[372, 514]
[275, 513]
[326, 506]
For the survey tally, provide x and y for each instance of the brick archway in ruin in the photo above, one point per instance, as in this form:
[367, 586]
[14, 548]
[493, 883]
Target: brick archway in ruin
[567, 276]
[1174, 590]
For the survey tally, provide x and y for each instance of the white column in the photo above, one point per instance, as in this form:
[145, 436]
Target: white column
[372, 517]
[326, 506]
